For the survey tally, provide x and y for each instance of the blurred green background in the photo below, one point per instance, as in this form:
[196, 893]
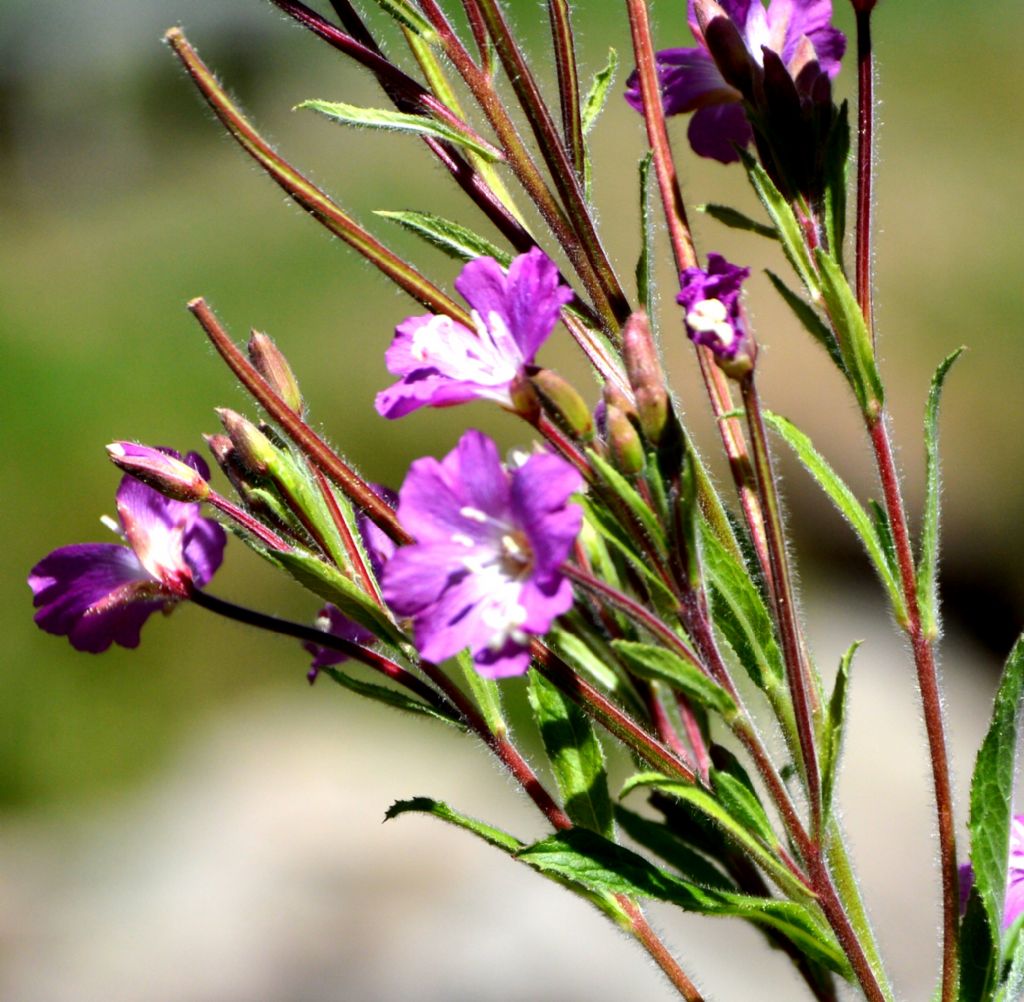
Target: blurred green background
[120, 199]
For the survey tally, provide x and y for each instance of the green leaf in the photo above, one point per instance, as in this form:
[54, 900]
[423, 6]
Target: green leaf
[853, 335]
[455, 240]
[608, 527]
[329, 583]
[586, 858]
[737, 220]
[810, 320]
[748, 835]
[425, 805]
[581, 657]
[486, 692]
[739, 612]
[837, 160]
[928, 560]
[832, 739]
[390, 697]
[992, 791]
[1012, 986]
[845, 500]
[630, 498]
[399, 121]
[576, 757]
[407, 16]
[787, 227]
[659, 664]
[645, 263]
[663, 842]
[979, 953]
[594, 102]
[742, 803]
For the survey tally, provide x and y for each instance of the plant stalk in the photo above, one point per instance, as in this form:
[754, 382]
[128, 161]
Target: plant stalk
[865, 166]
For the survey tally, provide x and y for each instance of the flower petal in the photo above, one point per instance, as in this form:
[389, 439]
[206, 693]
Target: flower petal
[716, 132]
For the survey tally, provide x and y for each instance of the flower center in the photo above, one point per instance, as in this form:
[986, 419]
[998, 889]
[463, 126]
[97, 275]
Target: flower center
[710, 316]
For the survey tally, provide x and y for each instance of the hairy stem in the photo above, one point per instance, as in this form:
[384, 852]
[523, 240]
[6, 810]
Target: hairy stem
[865, 165]
[798, 671]
[931, 700]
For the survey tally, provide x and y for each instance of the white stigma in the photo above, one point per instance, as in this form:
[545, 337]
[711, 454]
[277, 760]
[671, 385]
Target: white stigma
[474, 515]
[710, 316]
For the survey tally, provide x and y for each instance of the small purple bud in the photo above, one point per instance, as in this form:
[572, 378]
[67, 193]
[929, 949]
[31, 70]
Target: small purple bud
[864, 6]
[645, 376]
[271, 364]
[253, 450]
[568, 407]
[166, 474]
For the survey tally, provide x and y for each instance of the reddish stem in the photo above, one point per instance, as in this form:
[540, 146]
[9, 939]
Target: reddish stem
[931, 700]
[865, 164]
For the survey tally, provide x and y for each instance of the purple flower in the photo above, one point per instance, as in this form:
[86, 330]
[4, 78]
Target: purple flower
[714, 317]
[1013, 906]
[441, 362]
[98, 594]
[484, 572]
[378, 544]
[332, 620]
[730, 61]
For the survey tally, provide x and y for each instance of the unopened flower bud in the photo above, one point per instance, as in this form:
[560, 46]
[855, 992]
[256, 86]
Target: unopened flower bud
[863, 6]
[524, 399]
[645, 376]
[271, 364]
[564, 402]
[627, 451]
[170, 476]
[254, 451]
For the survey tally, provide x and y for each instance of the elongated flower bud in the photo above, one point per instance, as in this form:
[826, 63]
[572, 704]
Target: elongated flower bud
[624, 445]
[253, 449]
[646, 377]
[170, 476]
[271, 364]
[561, 398]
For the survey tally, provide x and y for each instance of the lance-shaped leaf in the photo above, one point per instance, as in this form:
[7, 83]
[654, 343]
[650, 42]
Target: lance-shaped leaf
[740, 614]
[808, 317]
[408, 17]
[438, 809]
[787, 226]
[575, 754]
[390, 697]
[602, 899]
[486, 693]
[750, 833]
[398, 121]
[833, 724]
[845, 500]
[662, 841]
[837, 162]
[659, 664]
[852, 334]
[928, 560]
[329, 583]
[645, 288]
[736, 220]
[458, 242]
[601, 865]
[306, 194]
[593, 103]
[991, 806]
[630, 498]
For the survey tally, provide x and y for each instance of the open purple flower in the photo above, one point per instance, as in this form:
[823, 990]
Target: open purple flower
[442, 362]
[713, 79]
[98, 594]
[714, 317]
[332, 620]
[484, 572]
[1013, 906]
